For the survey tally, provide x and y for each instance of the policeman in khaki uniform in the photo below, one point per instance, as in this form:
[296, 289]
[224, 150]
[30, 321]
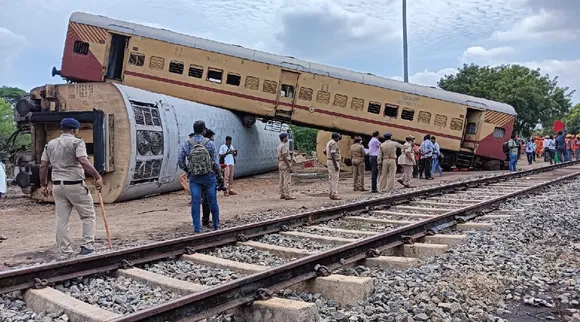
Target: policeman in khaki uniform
[387, 163]
[285, 168]
[68, 156]
[357, 153]
[332, 152]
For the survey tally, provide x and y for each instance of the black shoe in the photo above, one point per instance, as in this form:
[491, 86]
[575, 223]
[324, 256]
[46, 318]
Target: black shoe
[375, 191]
[85, 251]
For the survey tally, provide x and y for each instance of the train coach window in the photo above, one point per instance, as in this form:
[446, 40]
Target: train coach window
[407, 114]
[287, 91]
[340, 100]
[456, 124]
[323, 97]
[214, 75]
[156, 63]
[176, 67]
[440, 120]
[269, 87]
[305, 94]
[233, 79]
[424, 117]
[137, 59]
[499, 133]
[374, 108]
[195, 71]
[471, 128]
[81, 47]
[357, 104]
[252, 82]
[391, 111]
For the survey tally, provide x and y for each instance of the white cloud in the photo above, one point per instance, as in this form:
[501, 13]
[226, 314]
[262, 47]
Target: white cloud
[11, 47]
[545, 26]
[479, 54]
[325, 29]
[568, 72]
[428, 78]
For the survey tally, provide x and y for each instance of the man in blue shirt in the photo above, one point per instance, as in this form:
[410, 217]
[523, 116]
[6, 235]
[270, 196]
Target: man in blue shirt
[426, 157]
[561, 146]
[206, 182]
[435, 160]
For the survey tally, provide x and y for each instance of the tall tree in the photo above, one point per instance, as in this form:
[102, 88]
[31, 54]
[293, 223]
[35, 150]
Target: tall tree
[11, 94]
[536, 98]
[572, 120]
[8, 98]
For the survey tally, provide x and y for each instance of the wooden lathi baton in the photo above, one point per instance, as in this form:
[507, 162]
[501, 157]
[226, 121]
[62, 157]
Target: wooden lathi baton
[105, 219]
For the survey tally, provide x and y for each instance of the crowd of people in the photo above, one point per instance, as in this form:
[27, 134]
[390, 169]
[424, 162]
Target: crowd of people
[558, 148]
[207, 170]
[418, 160]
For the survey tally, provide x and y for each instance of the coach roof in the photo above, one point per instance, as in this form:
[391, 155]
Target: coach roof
[286, 62]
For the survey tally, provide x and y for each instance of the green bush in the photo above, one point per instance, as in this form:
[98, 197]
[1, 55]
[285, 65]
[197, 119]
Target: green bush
[304, 138]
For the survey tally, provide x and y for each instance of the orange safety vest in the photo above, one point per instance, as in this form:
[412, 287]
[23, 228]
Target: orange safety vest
[568, 144]
[576, 145]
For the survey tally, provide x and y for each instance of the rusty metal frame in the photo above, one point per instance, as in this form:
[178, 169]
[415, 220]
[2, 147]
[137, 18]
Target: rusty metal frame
[24, 278]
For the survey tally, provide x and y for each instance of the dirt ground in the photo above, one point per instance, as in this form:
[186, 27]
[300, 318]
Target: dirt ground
[28, 226]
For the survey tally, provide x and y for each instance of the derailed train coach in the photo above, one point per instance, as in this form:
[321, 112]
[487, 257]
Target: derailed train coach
[133, 136]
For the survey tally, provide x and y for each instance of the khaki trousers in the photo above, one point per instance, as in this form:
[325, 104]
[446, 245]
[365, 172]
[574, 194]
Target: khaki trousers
[358, 175]
[67, 197]
[389, 169]
[407, 173]
[228, 177]
[285, 178]
[333, 176]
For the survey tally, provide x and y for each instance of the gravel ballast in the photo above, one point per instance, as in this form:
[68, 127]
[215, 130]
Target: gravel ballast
[524, 269]
[192, 272]
[246, 254]
[13, 308]
[116, 294]
[293, 242]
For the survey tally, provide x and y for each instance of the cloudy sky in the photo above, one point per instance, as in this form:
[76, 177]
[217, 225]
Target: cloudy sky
[363, 35]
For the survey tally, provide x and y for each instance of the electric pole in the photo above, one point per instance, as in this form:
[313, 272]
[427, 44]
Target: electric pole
[405, 53]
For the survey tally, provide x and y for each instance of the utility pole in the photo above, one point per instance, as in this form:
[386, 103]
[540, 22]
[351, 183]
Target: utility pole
[405, 53]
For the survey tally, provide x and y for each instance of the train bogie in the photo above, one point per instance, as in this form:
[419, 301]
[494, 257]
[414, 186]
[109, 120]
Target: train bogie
[133, 136]
[279, 88]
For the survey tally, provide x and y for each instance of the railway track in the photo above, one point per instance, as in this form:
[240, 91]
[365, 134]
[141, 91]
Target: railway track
[314, 244]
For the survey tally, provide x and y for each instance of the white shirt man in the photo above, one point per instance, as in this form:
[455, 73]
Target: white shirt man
[228, 153]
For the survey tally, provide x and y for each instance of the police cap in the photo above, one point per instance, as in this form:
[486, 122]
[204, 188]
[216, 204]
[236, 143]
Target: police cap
[70, 123]
[388, 135]
[335, 135]
[283, 135]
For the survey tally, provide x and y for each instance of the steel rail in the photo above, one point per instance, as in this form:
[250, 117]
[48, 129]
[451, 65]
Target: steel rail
[247, 289]
[23, 278]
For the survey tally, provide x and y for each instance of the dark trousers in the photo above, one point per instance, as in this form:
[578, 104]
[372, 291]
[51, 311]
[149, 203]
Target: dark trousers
[416, 169]
[205, 210]
[425, 167]
[530, 157]
[561, 155]
[550, 155]
[374, 173]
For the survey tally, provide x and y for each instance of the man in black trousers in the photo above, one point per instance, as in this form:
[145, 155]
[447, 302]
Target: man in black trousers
[374, 145]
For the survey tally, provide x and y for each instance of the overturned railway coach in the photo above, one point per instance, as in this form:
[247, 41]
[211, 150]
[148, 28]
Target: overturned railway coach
[283, 89]
[133, 136]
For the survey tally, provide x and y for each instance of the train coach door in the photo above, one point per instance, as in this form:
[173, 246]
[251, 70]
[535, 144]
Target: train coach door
[472, 129]
[116, 59]
[286, 96]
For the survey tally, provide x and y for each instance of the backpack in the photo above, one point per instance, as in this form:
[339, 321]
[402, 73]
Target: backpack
[199, 161]
[506, 148]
